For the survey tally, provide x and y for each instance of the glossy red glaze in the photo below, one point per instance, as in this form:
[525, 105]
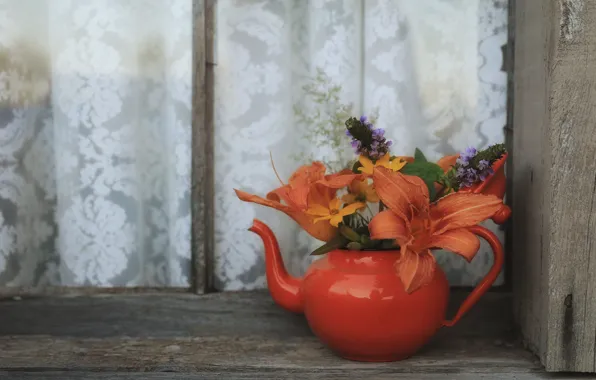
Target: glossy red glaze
[355, 302]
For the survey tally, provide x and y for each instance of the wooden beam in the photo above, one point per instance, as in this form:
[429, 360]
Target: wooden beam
[241, 335]
[554, 219]
[202, 176]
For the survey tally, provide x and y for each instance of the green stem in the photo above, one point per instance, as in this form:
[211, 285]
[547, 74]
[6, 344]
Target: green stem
[363, 218]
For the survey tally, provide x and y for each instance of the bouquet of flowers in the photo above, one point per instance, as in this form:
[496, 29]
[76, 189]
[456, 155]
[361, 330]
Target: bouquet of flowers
[386, 202]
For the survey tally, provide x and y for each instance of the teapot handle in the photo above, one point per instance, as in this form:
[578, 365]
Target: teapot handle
[490, 277]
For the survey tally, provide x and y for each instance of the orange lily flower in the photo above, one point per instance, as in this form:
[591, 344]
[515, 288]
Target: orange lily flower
[447, 162]
[368, 166]
[308, 185]
[361, 191]
[295, 193]
[419, 226]
[333, 211]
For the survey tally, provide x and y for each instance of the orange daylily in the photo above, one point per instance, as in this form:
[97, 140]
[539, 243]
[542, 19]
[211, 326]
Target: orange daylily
[295, 193]
[361, 191]
[333, 211]
[307, 186]
[368, 166]
[419, 226]
[447, 162]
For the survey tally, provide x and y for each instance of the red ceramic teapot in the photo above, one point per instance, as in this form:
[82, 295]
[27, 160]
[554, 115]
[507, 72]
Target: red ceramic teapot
[355, 303]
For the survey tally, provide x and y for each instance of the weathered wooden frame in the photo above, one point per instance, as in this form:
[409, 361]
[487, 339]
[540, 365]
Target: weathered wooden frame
[202, 176]
[554, 233]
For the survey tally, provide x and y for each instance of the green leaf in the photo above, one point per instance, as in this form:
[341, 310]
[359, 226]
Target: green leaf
[423, 170]
[353, 246]
[432, 192]
[419, 156]
[349, 233]
[429, 172]
[336, 243]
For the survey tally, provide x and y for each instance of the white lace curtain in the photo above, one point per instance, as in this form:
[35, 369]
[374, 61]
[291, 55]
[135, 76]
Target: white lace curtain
[95, 142]
[95, 122]
[431, 68]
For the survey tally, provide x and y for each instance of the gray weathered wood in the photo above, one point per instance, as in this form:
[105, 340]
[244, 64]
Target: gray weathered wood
[21, 291]
[508, 64]
[554, 181]
[239, 335]
[202, 180]
[315, 374]
[187, 315]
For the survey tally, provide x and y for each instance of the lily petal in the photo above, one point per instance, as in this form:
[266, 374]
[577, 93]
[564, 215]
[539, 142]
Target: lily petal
[340, 179]
[387, 225]
[322, 231]
[400, 192]
[447, 162]
[416, 269]
[460, 241]
[301, 182]
[321, 195]
[458, 210]
[307, 174]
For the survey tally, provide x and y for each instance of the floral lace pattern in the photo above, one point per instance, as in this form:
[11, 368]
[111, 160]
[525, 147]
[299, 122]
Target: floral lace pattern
[432, 70]
[95, 142]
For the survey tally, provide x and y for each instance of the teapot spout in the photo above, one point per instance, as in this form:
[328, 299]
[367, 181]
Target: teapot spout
[284, 289]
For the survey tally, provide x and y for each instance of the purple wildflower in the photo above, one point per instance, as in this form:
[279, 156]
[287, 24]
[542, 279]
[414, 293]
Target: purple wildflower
[468, 154]
[378, 133]
[467, 176]
[485, 169]
[366, 140]
[485, 173]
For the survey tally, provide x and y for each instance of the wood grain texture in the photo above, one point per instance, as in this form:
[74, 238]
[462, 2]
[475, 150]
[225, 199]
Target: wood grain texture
[239, 335]
[315, 374]
[202, 176]
[555, 181]
[26, 291]
[508, 66]
[530, 182]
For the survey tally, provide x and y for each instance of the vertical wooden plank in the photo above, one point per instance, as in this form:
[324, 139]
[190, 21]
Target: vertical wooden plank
[530, 182]
[202, 148]
[572, 281]
[555, 181]
[508, 59]
[210, 9]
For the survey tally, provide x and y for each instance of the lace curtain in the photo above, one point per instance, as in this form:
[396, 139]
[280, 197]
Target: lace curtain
[95, 122]
[95, 142]
[430, 70]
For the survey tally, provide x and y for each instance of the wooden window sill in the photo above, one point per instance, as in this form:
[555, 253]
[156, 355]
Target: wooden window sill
[240, 335]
